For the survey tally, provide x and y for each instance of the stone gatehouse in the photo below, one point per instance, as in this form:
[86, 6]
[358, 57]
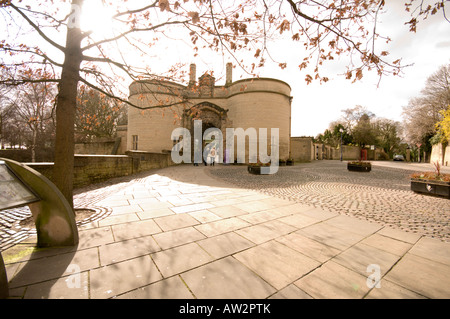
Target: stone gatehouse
[248, 103]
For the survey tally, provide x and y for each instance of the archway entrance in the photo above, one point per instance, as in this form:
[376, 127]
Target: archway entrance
[211, 147]
[211, 116]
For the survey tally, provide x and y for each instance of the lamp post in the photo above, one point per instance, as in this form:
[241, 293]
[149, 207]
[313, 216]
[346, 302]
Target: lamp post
[342, 131]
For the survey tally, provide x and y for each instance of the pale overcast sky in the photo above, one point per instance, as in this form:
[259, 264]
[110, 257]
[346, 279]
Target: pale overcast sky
[316, 105]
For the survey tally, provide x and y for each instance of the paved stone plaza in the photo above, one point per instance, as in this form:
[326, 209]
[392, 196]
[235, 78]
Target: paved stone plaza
[313, 230]
[383, 195]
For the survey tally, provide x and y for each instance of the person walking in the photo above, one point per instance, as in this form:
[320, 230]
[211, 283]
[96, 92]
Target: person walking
[213, 155]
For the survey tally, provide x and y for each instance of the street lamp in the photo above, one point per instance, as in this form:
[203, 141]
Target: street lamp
[342, 131]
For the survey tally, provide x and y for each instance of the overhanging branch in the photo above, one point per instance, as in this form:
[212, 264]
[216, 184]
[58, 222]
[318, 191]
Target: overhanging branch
[38, 30]
[92, 45]
[161, 106]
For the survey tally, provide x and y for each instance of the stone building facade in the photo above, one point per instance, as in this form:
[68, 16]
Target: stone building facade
[248, 103]
[302, 148]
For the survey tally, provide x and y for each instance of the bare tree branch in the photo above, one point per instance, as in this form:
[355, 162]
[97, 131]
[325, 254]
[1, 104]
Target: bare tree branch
[38, 29]
[121, 35]
[160, 106]
[119, 14]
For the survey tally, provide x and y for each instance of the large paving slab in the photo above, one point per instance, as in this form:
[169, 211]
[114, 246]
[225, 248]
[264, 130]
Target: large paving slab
[180, 259]
[127, 249]
[332, 236]
[170, 288]
[276, 263]
[111, 280]
[333, 281]
[227, 278]
[423, 276]
[181, 232]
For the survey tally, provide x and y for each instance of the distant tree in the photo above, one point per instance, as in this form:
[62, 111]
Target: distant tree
[388, 134]
[352, 116]
[364, 133]
[436, 92]
[334, 135]
[443, 126]
[6, 112]
[423, 112]
[340, 133]
[97, 115]
[362, 127]
[33, 103]
[324, 138]
[28, 112]
[12, 134]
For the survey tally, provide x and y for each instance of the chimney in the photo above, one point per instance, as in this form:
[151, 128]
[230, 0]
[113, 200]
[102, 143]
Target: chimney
[192, 74]
[229, 75]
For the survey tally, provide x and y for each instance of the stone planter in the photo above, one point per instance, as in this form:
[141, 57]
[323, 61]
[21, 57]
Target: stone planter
[430, 187]
[255, 170]
[359, 167]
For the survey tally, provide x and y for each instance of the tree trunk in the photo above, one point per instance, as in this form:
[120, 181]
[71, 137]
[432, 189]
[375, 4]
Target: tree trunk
[33, 146]
[65, 112]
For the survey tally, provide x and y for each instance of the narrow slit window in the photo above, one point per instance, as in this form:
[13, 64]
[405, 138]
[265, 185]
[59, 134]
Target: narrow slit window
[135, 142]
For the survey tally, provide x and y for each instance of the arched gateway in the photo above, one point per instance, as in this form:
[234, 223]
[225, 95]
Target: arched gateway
[258, 103]
[211, 116]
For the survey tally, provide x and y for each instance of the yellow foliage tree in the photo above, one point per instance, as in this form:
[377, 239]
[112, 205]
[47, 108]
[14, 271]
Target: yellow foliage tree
[443, 126]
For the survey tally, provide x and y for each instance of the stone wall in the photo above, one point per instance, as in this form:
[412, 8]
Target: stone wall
[98, 147]
[302, 149]
[322, 152]
[143, 161]
[350, 152]
[317, 151]
[121, 132]
[90, 169]
[440, 154]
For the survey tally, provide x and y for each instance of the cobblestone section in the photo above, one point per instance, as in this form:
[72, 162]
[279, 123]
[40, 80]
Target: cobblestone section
[382, 195]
